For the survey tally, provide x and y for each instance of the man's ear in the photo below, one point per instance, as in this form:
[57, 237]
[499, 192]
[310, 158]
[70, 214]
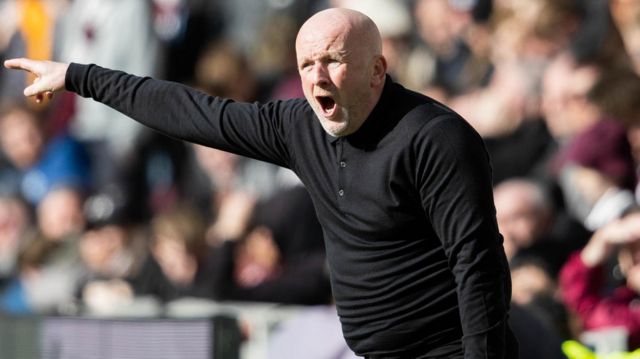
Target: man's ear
[379, 71]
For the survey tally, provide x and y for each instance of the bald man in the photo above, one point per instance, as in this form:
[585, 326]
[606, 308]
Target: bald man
[401, 185]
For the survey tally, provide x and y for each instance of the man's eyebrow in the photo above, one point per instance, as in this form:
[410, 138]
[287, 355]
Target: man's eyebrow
[327, 55]
[340, 53]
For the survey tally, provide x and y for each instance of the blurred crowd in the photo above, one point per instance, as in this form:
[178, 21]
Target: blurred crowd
[97, 211]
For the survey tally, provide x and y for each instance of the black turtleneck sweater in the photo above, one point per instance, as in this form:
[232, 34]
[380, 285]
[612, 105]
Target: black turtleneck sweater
[416, 261]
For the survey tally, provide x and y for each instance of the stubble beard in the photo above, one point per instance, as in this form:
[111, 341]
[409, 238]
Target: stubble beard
[335, 128]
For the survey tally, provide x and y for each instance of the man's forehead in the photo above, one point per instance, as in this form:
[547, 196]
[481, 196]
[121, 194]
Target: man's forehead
[321, 43]
[326, 31]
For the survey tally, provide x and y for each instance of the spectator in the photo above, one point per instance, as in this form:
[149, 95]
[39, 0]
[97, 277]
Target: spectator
[15, 223]
[531, 279]
[616, 94]
[38, 165]
[441, 27]
[535, 289]
[60, 215]
[12, 44]
[226, 187]
[180, 264]
[112, 251]
[280, 258]
[229, 183]
[536, 338]
[595, 169]
[222, 70]
[584, 284]
[48, 275]
[92, 31]
[524, 214]
[530, 224]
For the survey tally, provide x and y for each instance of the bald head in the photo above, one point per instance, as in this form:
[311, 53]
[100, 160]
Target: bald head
[353, 27]
[339, 55]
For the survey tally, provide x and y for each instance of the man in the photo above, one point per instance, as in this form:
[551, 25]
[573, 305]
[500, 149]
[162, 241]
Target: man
[400, 183]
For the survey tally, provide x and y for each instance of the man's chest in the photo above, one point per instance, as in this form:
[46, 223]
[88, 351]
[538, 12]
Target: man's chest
[367, 191]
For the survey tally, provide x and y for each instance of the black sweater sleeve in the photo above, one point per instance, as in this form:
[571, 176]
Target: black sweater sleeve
[455, 186]
[254, 130]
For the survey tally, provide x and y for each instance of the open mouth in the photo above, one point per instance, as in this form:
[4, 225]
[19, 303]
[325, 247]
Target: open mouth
[327, 104]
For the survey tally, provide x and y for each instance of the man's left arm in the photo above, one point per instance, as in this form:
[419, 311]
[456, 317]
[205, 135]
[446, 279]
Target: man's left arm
[454, 179]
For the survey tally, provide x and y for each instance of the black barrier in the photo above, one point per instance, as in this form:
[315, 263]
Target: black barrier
[89, 338]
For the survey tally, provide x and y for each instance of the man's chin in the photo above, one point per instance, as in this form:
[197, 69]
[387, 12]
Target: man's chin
[334, 127]
[337, 130]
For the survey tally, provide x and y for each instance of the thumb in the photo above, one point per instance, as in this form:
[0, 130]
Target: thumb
[36, 88]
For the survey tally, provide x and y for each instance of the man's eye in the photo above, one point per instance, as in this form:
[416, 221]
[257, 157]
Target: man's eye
[334, 62]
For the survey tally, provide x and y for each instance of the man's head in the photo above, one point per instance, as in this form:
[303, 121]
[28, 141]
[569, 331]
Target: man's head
[341, 67]
[21, 136]
[523, 212]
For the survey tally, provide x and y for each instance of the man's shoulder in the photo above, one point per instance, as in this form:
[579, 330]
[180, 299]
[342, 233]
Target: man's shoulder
[294, 104]
[292, 109]
[426, 115]
[418, 108]
[427, 118]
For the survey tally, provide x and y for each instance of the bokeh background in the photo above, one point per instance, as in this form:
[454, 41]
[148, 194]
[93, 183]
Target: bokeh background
[102, 218]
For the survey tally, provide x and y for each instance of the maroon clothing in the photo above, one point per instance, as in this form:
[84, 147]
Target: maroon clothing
[605, 148]
[582, 291]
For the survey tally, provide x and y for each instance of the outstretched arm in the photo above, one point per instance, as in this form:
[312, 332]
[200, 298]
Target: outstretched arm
[258, 131]
[49, 76]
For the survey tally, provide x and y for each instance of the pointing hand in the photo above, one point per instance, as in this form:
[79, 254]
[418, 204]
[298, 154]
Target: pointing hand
[49, 76]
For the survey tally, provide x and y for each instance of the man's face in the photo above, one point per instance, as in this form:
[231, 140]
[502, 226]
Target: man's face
[336, 78]
[20, 138]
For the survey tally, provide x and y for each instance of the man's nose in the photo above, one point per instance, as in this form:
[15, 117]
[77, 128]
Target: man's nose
[319, 75]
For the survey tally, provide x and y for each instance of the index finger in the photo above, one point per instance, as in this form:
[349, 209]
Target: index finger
[21, 64]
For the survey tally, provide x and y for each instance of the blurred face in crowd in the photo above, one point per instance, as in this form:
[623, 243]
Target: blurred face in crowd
[100, 246]
[21, 138]
[175, 260]
[60, 214]
[435, 27]
[257, 258]
[221, 167]
[554, 93]
[14, 219]
[521, 214]
[530, 281]
[178, 238]
[580, 112]
[342, 71]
